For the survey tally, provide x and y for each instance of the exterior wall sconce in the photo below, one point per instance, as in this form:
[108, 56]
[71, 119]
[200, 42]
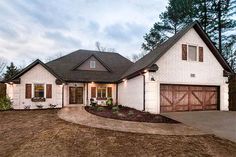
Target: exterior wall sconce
[152, 78]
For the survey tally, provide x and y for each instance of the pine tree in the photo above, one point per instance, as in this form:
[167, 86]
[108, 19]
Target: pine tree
[176, 16]
[11, 71]
[215, 16]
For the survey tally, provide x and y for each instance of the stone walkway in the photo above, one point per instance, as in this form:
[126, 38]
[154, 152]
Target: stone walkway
[80, 116]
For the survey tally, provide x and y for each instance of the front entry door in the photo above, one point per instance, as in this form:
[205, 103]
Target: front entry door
[76, 95]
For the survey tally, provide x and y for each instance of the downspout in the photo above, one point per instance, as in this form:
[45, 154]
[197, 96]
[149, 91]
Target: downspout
[87, 95]
[62, 95]
[144, 84]
[117, 93]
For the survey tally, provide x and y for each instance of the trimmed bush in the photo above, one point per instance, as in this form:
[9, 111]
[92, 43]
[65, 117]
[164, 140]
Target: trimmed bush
[5, 103]
[109, 102]
[115, 108]
[100, 108]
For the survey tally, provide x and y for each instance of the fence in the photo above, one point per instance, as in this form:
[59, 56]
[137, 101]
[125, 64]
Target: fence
[232, 93]
[2, 90]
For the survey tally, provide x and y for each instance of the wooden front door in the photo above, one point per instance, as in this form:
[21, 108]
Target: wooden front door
[76, 95]
[188, 98]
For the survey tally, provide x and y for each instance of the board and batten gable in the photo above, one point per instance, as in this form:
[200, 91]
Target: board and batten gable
[36, 75]
[86, 65]
[174, 70]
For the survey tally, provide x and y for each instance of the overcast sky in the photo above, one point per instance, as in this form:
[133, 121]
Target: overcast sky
[32, 29]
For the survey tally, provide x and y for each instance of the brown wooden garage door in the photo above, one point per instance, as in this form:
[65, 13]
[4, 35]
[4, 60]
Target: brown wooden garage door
[188, 98]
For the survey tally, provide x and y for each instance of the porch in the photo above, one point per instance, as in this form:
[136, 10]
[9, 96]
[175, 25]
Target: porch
[80, 93]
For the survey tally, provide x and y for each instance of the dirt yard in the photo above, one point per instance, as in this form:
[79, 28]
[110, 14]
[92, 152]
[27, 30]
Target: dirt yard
[42, 133]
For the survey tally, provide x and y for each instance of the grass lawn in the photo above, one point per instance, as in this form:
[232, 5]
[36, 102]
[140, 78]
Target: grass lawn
[42, 133]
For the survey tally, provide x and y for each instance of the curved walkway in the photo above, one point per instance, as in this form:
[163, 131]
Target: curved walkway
[80, 116]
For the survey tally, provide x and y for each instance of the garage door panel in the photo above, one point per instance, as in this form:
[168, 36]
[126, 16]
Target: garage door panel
[181, 108]
[181, 98]
[188, 98]
[196, 98]
[167, 108]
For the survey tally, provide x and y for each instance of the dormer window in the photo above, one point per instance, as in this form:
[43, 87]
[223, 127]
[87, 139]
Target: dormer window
[92, 64]
[192, 53]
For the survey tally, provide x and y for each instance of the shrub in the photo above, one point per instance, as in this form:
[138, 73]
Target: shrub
[115, 108]
[93, 103]
[27, 107]
[100, 108]
[109, 102]
[130, 112]
[5, 103]
[39, 106]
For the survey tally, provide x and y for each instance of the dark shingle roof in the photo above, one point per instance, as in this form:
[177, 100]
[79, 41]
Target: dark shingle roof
[114, 62]
[161, 49]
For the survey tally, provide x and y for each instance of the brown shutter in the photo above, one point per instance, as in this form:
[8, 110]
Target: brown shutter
[28, 91]
[200, 54]
[48, 91]
[93, 92]
[109, 92]
[184, 52]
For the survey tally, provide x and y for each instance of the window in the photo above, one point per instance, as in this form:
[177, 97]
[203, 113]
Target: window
[92, 64]
[39, 90]
[192, 53]
[101, 93]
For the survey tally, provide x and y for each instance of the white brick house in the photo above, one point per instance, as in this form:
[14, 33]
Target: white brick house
[185, 73]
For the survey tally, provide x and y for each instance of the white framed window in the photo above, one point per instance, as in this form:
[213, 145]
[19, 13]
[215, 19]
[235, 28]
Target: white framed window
[192, 53]
[92, 64]
[101, 92]
[39, 90]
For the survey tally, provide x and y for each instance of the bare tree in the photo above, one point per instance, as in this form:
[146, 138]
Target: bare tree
[55, 56]
[3, 64]
[103, 49]
[136, 57]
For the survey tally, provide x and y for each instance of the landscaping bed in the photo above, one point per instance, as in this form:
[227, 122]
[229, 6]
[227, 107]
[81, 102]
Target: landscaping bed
[128, 114]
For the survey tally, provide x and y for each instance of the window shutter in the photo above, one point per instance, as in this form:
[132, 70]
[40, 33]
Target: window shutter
[184, 52]
[48, 91]
[93, 92]
[28, 91]
[109, 92]
[200, 54]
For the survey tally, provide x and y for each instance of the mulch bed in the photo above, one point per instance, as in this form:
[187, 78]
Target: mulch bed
[128, 114]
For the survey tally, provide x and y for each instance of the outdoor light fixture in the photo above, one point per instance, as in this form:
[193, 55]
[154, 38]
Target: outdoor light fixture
[152, 78]
[145, 70]
[11, 83]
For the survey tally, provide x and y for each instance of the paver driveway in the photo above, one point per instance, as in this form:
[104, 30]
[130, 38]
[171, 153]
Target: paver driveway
[222, 124]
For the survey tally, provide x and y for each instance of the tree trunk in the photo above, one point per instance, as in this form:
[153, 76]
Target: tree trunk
[205, 15]
[219, 26]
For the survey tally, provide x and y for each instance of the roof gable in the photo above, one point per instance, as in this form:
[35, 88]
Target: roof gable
[85, 64]
[36, 62]
[66, 66]
[153, 56]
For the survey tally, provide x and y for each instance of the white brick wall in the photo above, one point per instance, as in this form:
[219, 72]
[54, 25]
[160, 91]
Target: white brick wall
[173, 70]
[37, 74]
[130, 93]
